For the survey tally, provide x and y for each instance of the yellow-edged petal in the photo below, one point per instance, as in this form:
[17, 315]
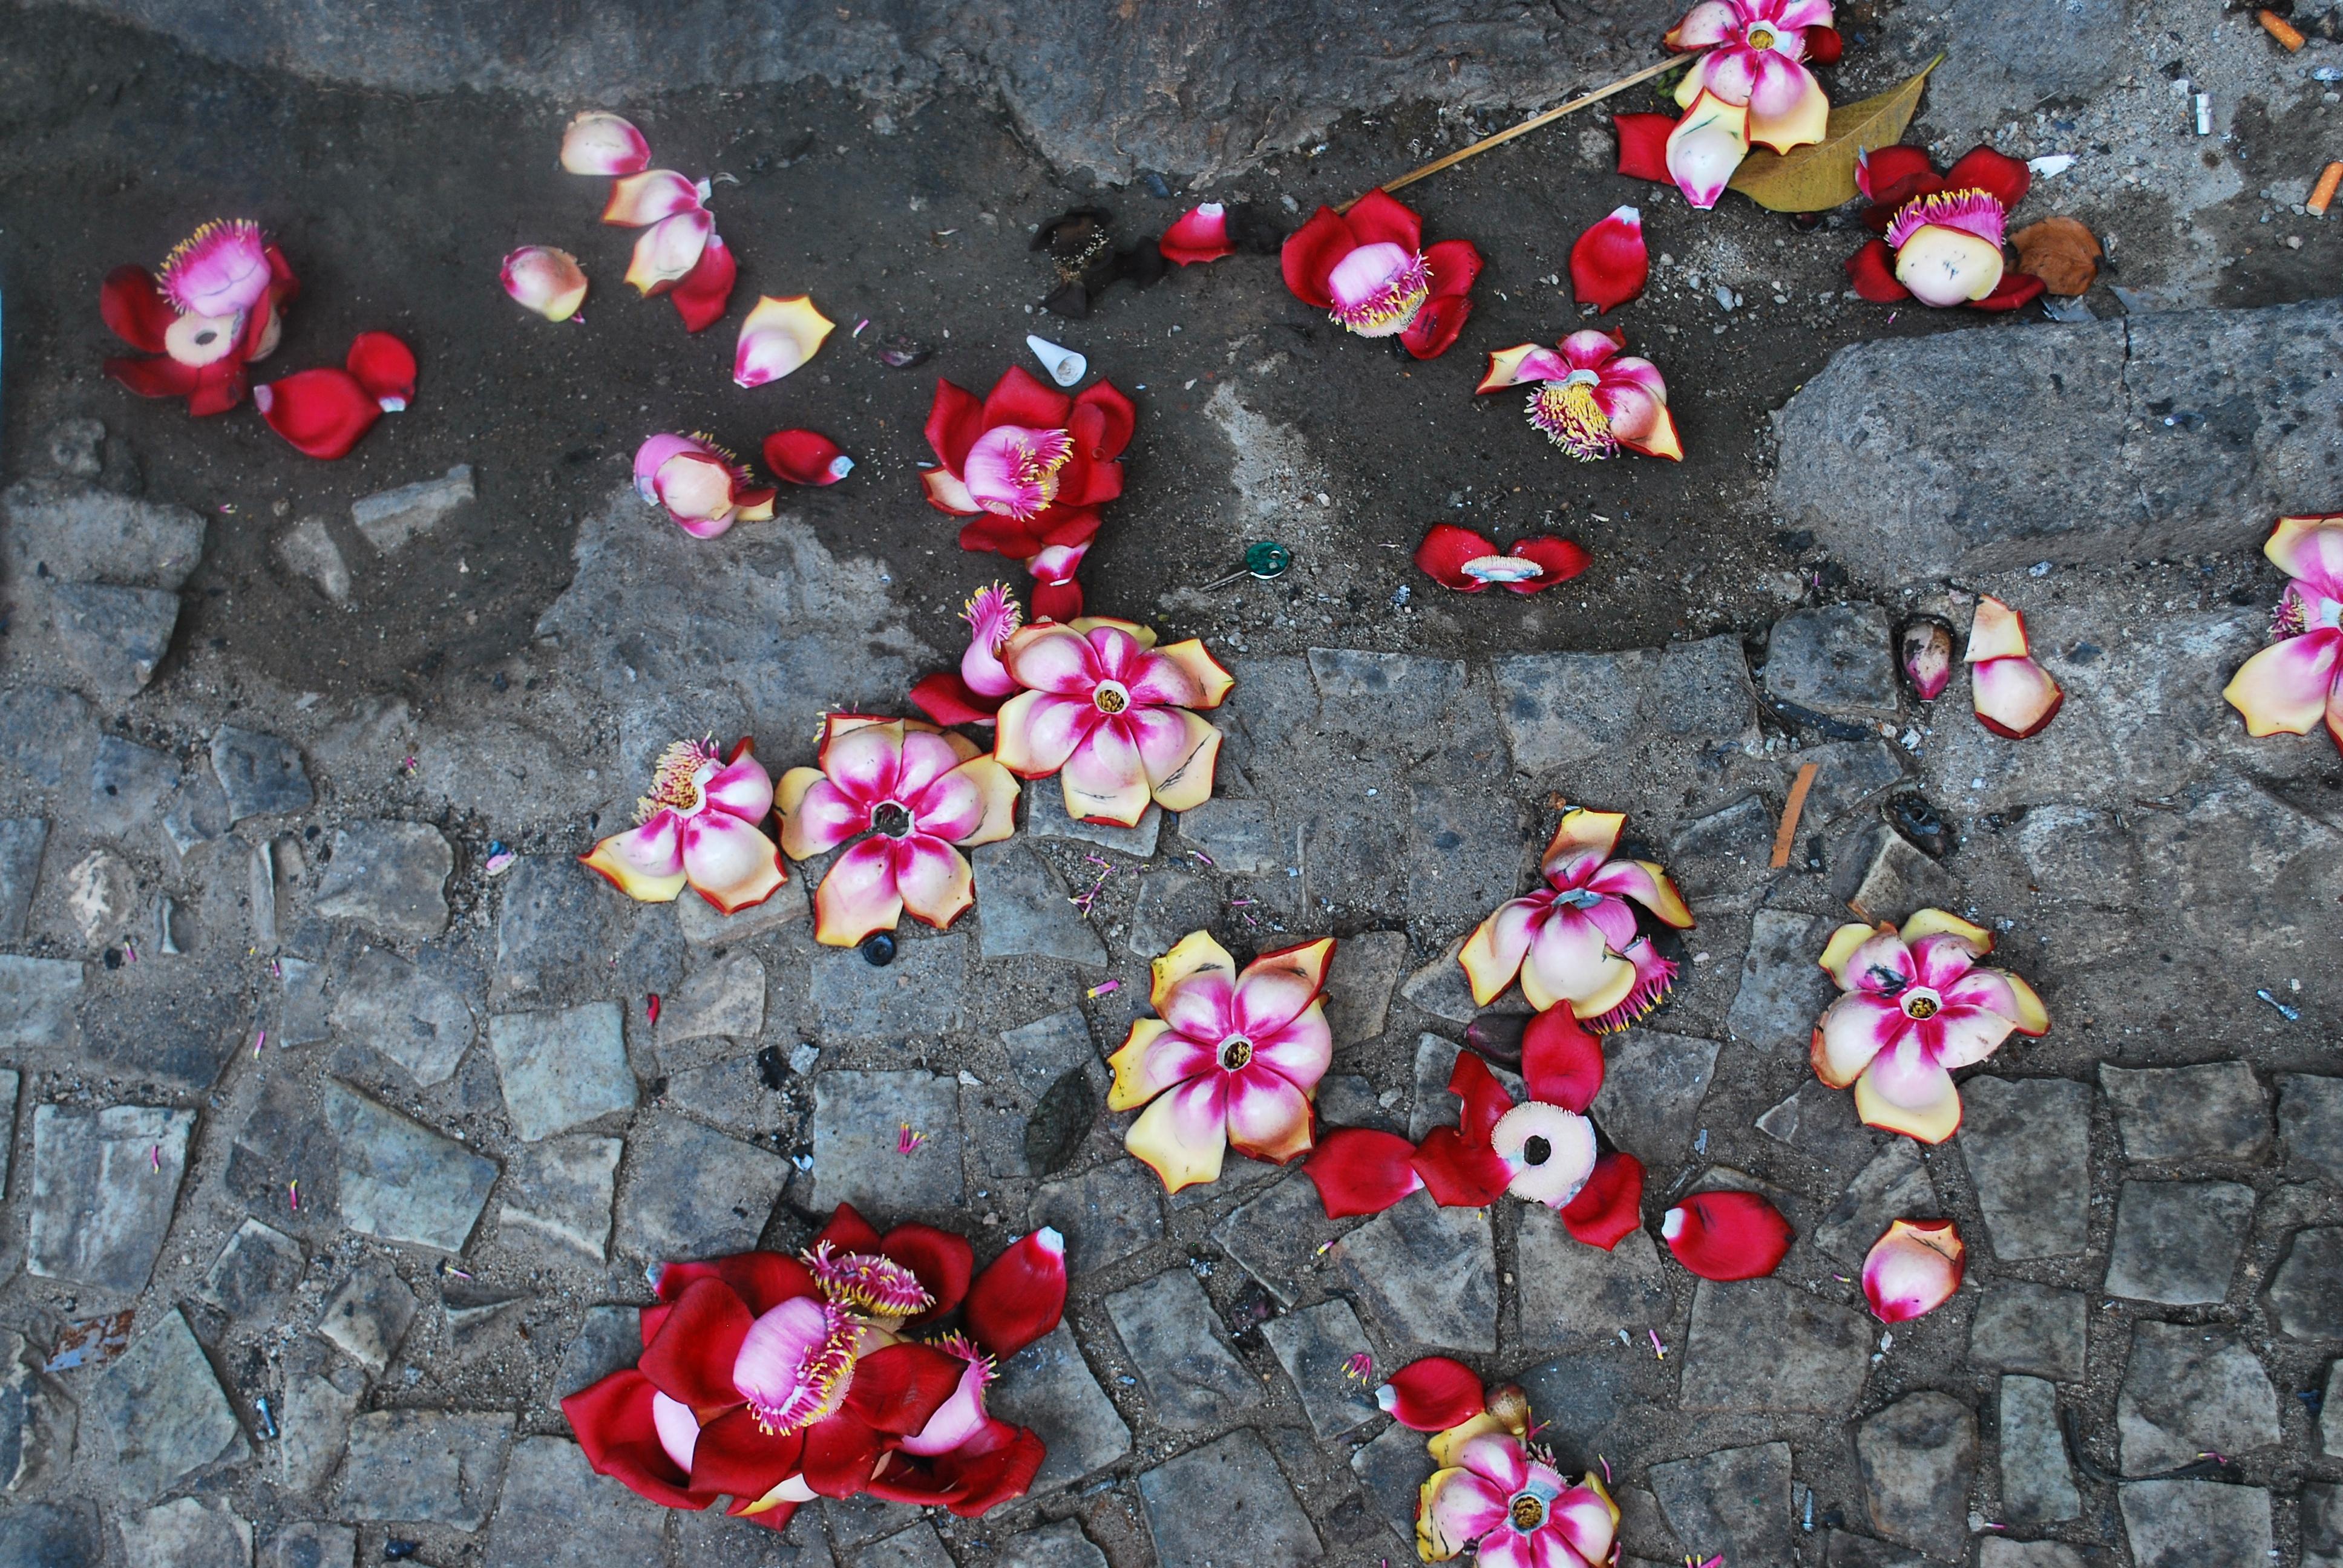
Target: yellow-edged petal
[1153, 1139]
[1582, 830]
[1842, 946]
[1935, 922]
[1191, 954]
[1129, 1090]
[1203, 668]
[1929, 1124]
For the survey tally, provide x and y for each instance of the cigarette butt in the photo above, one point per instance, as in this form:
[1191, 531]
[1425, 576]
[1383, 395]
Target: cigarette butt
[2323, 196]
[2279, 28]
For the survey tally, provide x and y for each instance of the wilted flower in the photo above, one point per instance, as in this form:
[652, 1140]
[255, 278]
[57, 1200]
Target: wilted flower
[1229, 1058]
[1916, 1008]
[974, 692]
[2013, 696]
[1457, 557]
[323, 412]
[779, 335]
[698, 826]
[1912, 1268]
[679, 251]
[213, 309]
[546, 281]
[1927, 646]
[920, 795]
[1591, 398]
[1370, 271]
[702, 487]
[1943, 232]
[1568, 940]
[1728, 1235]
[2287, 688]
[1752, 56]
[1113, 715]
[1506, 1499]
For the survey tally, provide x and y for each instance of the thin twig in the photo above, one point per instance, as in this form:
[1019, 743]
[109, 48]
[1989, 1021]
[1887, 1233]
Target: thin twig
[1533, 123]
[1790, 813]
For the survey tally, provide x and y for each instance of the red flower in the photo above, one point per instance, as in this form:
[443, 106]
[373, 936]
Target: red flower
[1943, 232]
[1459, 559]
[197, 350]
[1370, 271]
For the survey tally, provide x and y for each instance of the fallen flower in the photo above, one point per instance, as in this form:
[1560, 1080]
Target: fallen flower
[1912, 1268]
[1371, 274]
[920, 795]
[1753, 57]
[1942, 233]
[2286, 687]
[1591, 399]
[545, 280]
[1493, 1492]
[324, 411]
[1457, 557]
[2013, 696]
[1914, 1008]
[806, 458]
[779, 335]
[213, 309]
[598, 143]
[1567, 940]
[703, 488]
[1727, 1235]
[1113, 715]
[1926, 649]
[973, 694]
[698, 826]
[678, 252]
[1609, 265]
[2060, 251]
[1230, 1058]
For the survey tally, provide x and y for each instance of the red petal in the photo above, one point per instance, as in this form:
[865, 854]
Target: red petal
[774, 1519]
[1436, 327]
[1878, 172]
[219, 387]
[763, 1280]
[1379, 217]
[614, 1427]
[1114, 417]
[1562, 558]
[1824, 45]
[942, 1260]
[1561, 1060]
[1611, 1204]
[1460, 1175]
[647, 1322]
[1017, 399]
[1872, 271]
[1310, 254]
[1086, 482]
[954, 422]
[839, 1453]
[322, 412]
[735, 1454]
[991, 534]
[1999, 176]
[701, 294]
[1644, 146]
[1020, 1295]
[849, 1231]
[159, 377]
[1453, 265]
[1443, 552]
[1060, 602]
[997, 1465]
[1432, 1394]
[1194, 237]
[899, 1390]
[1609, 263]
[692, 1359]
[1360, 1170]
[2015, 289]
[283, 285]
[803, 457]
[385, 367]
[136, 309]
[945, 698]
[1485, 1097]
[1727, 1235]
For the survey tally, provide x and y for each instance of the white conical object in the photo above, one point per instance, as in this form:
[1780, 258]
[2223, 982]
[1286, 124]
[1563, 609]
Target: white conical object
[1065, 366]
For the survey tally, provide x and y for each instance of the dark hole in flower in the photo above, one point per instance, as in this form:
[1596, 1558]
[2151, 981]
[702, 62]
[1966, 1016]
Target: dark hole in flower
[878, 949]
[891, 820]
[1236, 1051]
[206, 337]
[1537, 1152]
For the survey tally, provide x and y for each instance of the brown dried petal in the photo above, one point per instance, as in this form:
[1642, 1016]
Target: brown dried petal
[2060, 251]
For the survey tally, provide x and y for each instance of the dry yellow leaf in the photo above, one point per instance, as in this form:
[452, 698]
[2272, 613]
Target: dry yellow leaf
[2059, 251]
[1820, 176]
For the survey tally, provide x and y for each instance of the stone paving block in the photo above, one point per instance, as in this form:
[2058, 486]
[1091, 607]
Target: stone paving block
[1170, 904]
[1045, 817]
[425, 1467]
[2322, 1524]
[2027, 1145]
[1275, 1236]
[1314, 1346]
[609, 1339]
[1847, 773]
[858, 1119]
[1383, 692]
[1917, 1457]
[1022, 909]
[407, 1014]
[1735, 1501]
[2196, 1524]
[1105, 1214]
[1205, 1501]
[1049, 1387]
[35, 1428]
[556, 1512]
[710, 1538]
[128, 784]
[2179, 1242]
[40, 727]
[1426, 1275]
[2331, 1413]
[157, 1414]
[37, 997]
[561, 1069]
[389, 877]
[61, 1535]
[1464, 854]
[114, 636]
[2310, 1123]
[369, 1313]
[2037, 1485]
[1236, 834]
[1889, 878]
[1433, 1106]
[2306, 1293]
[1723, 855]
[919, 994]
[22, 838]
[1175, 1341]
[2189, 1391]
[1839, 659]
[105, 1182]
[310, 1544]
[2216, 1112]
[198, 812]
[186, 1533]
[561, 1189]
[1392, 1471]
[315, 1421]
[1894, 1186]
[724, 1001]
[1574, 1295]
[389, 518]
[1842, 1549]
[308, 550]
[1704, 689]
[731, 1093]
[1644, 1529]
[401, 1181]
[917, 1547]
[1653, 1085]
[1784, 987]
[692, 1193]
[261, 775]
[82, 533]
[302, 1020]
[1558, 708]
[1440, 988]
[1059, 1545]
[1760, 1345]
[1347, 1100]
[1046, 1049]
[1591, 1405]
[2020, 1327]
[560, 926]
[1359, 984]
[702, 925]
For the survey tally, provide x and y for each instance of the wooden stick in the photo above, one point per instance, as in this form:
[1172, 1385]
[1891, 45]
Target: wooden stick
[1533, 123]
[1790, 813]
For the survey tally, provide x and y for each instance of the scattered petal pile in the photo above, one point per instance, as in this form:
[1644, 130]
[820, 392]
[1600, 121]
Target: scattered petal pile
[2291, 685]
[1591, 398]
[2014, 696]
[213, 309]
[1113, 715]
[698, 826]
[323, 412]
[1457, 557]
[1942, 233]
[1912, 1268]
[679, 253]
[1368, 269]
[703, 488]
[1494, 1489]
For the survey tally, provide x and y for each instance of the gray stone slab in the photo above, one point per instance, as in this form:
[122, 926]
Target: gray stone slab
[2310, 1124]
[562, 1069]
[556, 1512]
[389, 877]
[1170, 903]
[1023, 911]
[1314, 1346]
[1371, 692]
[1426, 1276]
[1704, 691]
[186, 1533]
[128, 784]
[157, 1414]
[609, 1339]
[2331, 1413]
[401, 1181]
[308, 550]
[1348, 1099]
[712, 1538]
[302, 1018]
[2322, 1524]
[1059, 1545]
[1588, 1404]
[1360, 980]
[2028, 1146]
[2020, 1327]
[40, 728]
[2196, 1524]
[425, 1467]
[920, 993]
[691, 1192]
[1839, 659]
[1229, 1491]
[1843, 1549]
[704, 926]
[1045, 817]
[732, 1094]
[1046, 1049]
[1894, 1186]
[105, 1182]
[315, 1424]
[1572, 1295]
[1191, 1378]
[1784, 987]
[1275, 1237]
[1049, 1387]
[2189, 1391]
[1105, 1214]
[1441, 989]
[1762, 1345]
[857, 1521]
[369, 1313]
[2037, 1487]
[1725, 854]
[560, 926]
[82, 533]
[1917, 1457]
[37, 997]
[917, 1547]
[561, 1190]
[1392, 1471]
[254, 1269]
[22, 839]
[113, 637]
[857, 1134]
[389, 518]
[2216, 1112]
[405, 1012]
[1652, 1086]
[1847, 773]
[2179, 1242]
[61, 1535]
[1464, 853]
[310, 1544]
[1237, 836]
[724, 1001]
[261, 775]
[1558, 708]
[2306, 1293]
[1734, 1501]
[1888, 877]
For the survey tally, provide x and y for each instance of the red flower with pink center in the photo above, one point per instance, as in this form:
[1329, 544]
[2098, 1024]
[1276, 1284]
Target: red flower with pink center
[213, 309]
[1941, 233]
[1370, 271]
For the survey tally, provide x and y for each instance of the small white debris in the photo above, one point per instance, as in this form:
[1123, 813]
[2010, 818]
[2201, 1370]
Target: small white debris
[803, 1057]
[969, 1079]
[2038, 569]
[2055, 164]
[1065, 366]
[2204, 113]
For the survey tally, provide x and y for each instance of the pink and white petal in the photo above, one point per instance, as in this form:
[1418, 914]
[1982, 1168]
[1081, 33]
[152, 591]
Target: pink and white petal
[1965, 1036]
[729, 863]
[926, 757]
[1639, 370]
[666, 252]
[1987, 988]
[1839, 951]
[2283, 689]
[2032, 1019]
[1881, 965]
[1909, 1073]
[1269, 1117]
[776, 338]
[1194, 954]
[645, 863]
[647, 197]
[2015, 698]
[1269, 997]
[1569, 958]
[1212, 681]
[1507, 1549]
[1800, 14]
[677, 1427]
[1157, 679]
[1941, 958]
[1152, 1058]
[1202, 1006]
[1524, 362]
[1777, 85]
[1853, 1030]
[1618, 982]
[1496, 1457]
[652, 456]
[823, 818]
[1931, 1122]
[1731, 72]
[1645, 882]
[1177, 751]
[1547, 1549]
[1104, 780]
[2309, 550]
[1183, 1135]
[1706, 24]
[1053, 658]
[1589, 348]
[1301, 1049]
[1802, 122]
[947, 493]
[1583, 833]
[1453, 1509]
[1912, 1268]
[1492, 954]
[996, 794]
[1036, 731]
[1587, 1520]
[597, 142]
[741, 787]
[1706, 146]
[859, 896]
[932, 878]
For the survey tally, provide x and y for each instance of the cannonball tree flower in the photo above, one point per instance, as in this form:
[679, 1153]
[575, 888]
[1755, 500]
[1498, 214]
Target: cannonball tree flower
[323, 412]
[545, 280]
[1113, 715]
[1912, 1268]
[1590, 398]
[702, 487]
[698, 828]
[1916, 1008]
[1498, 1494]
[2291, 685]
[1569, 940]
[679, 253]
[1753, 56]
[974, 692]
[213, 308]
[1459, 559]
[914, 797]
[1942, 233]
[1370, 271]
[1230, 1058]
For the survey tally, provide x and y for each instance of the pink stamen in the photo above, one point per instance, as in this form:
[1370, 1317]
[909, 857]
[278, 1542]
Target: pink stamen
[1104, 987]
[1970, 211]
[908, 1141]
[1361, 1367]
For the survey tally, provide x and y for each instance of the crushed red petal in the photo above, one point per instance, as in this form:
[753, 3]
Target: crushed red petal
[1883, 173]
[1872, 272]
[1458, 1174]
[1020, 1295]
[1436, 325]
[612, 1420]
[1561, 1061]
[1485, 1097]
[1432, 1394]
[1194, 237]
[1728, 1235]
[1443, 552]
[130, 303]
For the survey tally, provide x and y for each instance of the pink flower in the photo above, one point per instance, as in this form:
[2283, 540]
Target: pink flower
[2286, 687]
[1754, 56]
[973, 693]
[1112, 715]
[919, 795]
[1368, 269]
[545, 280]
[1915, 1009]
[1591, 398]
[1494, 1493]
[213, 308]
[1568, 941]
[703, 487]
[698, 826]
[1229, 1058]
[1912, 1268]
[1942, 233]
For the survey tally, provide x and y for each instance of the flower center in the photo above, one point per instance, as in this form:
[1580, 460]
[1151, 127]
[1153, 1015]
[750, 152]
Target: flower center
[1536, 1151]
[1378, 288]
[1500, 569]
[1566, 411]
[1760, 37]
[819, 1357]
[1236, 1053]
[865, 1282]
[1970, 210]
[677, 780]
[892, 818]
[1527, 1510]
[1920, 1002]
[1111, 696]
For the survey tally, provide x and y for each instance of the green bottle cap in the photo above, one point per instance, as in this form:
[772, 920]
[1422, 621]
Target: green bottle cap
[1267, 558]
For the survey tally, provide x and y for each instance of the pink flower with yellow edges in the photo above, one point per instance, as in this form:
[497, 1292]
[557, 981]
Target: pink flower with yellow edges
[697, 827]
[1112, 715]
[920, 795]
[1916, 1008]
[1591, 399]
[1229, 1058]
[1755, 55]
[1575, 940]
[973, 693]
[1494, 1493]
[702, 487]
[2289, 685]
